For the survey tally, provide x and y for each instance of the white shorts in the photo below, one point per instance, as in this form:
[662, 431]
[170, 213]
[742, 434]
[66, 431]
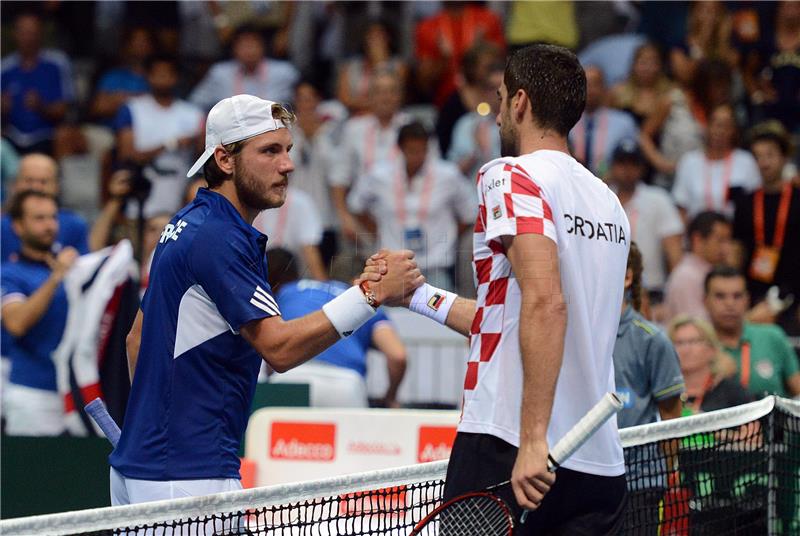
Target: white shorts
[329, 386]
[126, 490]
[32, 412]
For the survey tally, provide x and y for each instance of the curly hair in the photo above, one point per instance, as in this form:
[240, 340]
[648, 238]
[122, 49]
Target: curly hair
[635, 265]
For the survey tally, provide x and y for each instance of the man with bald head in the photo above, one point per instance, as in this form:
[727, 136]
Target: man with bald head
[600, 129]
[39, 172]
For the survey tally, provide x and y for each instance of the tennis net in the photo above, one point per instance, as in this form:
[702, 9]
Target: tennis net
[734, 471]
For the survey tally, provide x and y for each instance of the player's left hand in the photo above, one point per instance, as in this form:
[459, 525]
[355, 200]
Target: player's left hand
[530, 478]
[375, 268]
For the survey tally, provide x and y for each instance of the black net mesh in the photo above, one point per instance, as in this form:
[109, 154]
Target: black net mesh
[739, 480]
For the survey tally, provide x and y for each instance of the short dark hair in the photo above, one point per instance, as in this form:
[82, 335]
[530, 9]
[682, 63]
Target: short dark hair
[774, 132]
[703, 223]
[554, 81]
[635, 265]
[412, 131]
[282, 266]
[723, 271]
[16, 209]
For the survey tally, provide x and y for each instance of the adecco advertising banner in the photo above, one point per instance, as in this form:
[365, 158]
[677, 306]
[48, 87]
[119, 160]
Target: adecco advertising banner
[290, 445]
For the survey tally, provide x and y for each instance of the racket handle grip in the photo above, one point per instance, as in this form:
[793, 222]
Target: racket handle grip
[608, 406]
[96, 409]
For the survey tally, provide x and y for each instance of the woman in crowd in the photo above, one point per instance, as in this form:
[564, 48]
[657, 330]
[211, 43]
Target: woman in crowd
[709, 373]
[378, 52]
[714, 177]
[646, 86]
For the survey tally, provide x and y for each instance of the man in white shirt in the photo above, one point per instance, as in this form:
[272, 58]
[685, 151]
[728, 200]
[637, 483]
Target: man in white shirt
[713, 177]
[550, 251]
[159, 133]
[419, 202]
[656, 224]
[600, 129]
[296, 227]
[249, 72]
[365, 141]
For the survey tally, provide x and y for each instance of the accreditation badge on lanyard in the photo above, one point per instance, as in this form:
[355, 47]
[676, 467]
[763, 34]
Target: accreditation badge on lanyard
[766, 257]
[413, 233]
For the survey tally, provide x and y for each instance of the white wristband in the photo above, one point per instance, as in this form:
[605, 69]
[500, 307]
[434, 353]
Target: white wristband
[348, 311]
[432, 302]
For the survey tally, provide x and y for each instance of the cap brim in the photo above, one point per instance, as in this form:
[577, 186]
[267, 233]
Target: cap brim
[200, 161]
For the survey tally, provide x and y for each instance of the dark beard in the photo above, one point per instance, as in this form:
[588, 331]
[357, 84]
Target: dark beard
[509, 140]
[250, 192]
[509, 143]
[38, 245]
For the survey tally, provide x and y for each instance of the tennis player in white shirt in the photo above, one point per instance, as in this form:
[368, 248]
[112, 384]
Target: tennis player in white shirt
[550, 247]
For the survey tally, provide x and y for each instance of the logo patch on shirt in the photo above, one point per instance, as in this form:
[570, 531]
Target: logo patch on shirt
[765, 369]
[436, 301]
[265, 302]
[626, 397]
[497, 213]
[172, 232]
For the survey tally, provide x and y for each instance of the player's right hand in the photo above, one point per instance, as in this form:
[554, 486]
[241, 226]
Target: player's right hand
[530, 478]
[393, 276]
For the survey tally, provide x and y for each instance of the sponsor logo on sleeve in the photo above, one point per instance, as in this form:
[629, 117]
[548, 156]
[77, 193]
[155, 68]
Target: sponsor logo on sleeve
[435, 443]
[497, 213]
[303, 441]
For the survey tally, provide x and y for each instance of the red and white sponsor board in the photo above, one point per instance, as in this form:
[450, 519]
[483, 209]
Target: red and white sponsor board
[291, 445]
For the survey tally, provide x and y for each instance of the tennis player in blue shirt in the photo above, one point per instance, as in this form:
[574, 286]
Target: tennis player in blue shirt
[209, 316]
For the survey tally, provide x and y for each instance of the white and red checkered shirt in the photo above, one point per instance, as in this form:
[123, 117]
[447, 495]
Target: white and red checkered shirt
[551, 194]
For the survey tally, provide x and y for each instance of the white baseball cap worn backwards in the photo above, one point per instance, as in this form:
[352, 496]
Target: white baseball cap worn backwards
[235, 119]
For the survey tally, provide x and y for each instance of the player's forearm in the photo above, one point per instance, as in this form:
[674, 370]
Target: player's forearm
[542, 348]
[461, 316]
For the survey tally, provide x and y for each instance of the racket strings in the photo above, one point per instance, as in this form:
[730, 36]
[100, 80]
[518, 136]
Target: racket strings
[475, 515]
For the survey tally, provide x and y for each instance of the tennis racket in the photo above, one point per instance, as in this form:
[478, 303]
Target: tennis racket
[483, 512]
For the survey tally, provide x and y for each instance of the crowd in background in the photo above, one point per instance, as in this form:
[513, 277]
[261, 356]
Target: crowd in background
[692, 115]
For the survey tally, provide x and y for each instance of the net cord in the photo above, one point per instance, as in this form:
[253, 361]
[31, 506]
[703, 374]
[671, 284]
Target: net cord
[235, 501]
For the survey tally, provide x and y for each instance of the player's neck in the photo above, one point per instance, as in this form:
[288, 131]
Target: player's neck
[536, 139]
[228, 191]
